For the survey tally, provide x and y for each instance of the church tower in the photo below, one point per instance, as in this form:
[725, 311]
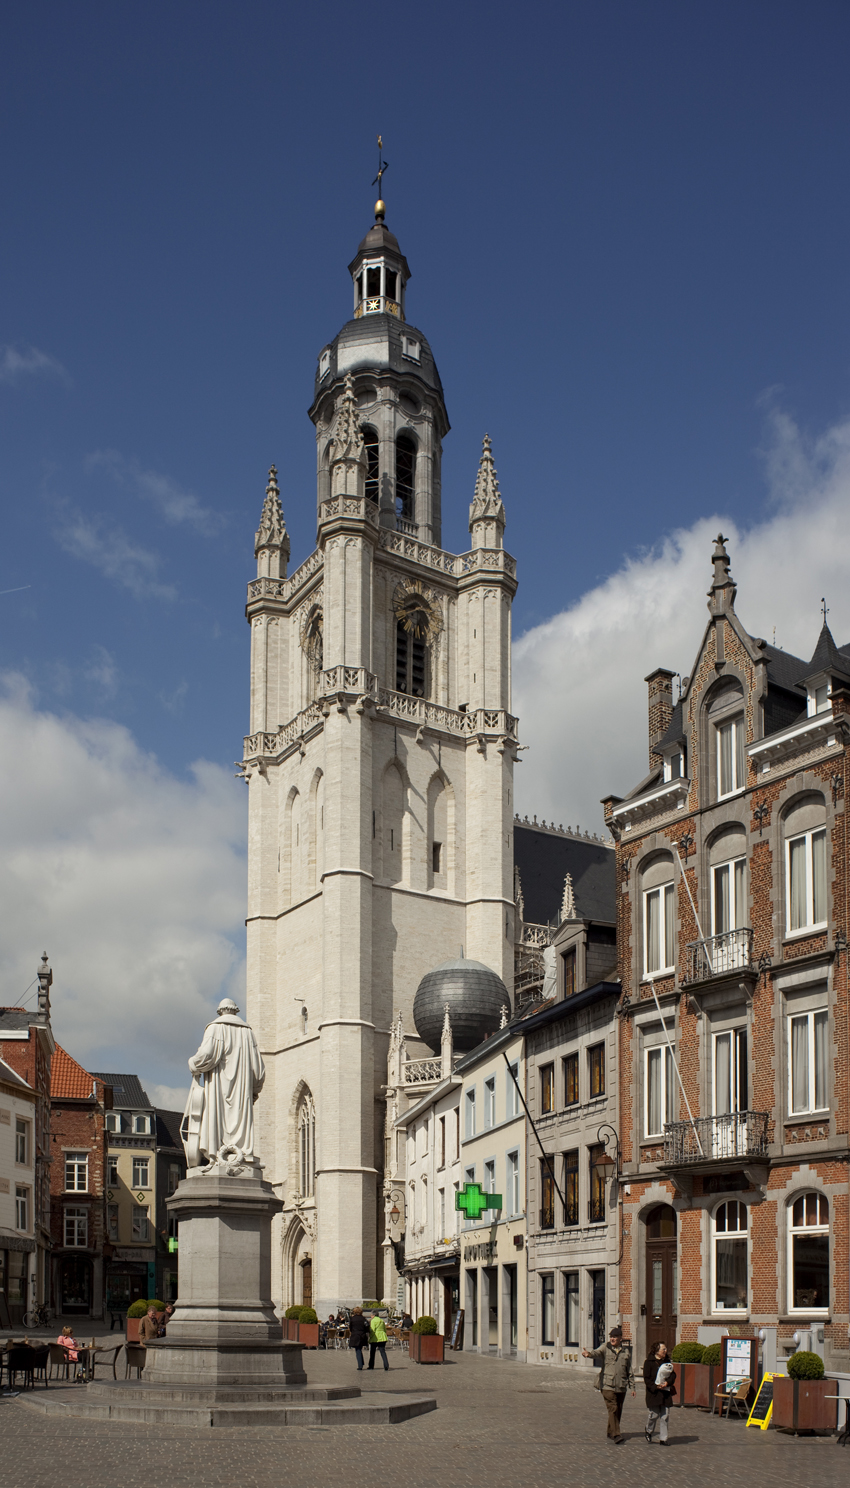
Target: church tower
[380, 769]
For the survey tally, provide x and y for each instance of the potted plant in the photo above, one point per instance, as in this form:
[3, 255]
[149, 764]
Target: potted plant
[426, 1344]
[289, 1323]
[699, 1372]
[799, 1398]
[308, 1327]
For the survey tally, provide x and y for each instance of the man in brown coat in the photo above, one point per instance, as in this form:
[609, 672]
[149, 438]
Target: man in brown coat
[615, 1377]
[148, 1327]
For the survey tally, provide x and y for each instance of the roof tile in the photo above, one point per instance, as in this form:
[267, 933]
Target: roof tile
[68, 1080]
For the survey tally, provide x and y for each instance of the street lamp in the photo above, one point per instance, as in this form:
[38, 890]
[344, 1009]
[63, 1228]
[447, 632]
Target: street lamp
[610, 1164]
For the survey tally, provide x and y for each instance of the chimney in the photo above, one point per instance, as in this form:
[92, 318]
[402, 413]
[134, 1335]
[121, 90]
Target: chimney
[660, 684]
[45, 980]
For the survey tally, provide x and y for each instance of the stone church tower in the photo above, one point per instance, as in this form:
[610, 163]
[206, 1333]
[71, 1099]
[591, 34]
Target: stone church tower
[380, 769]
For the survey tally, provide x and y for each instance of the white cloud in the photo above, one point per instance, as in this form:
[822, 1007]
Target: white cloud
[168, 1097]
[111, 551]
[175, 504]
[102, 670]
[15, 365]
[578, 678]
[131, 879]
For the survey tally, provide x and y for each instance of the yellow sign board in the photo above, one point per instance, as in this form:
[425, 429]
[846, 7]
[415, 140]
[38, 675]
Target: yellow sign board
[763, 1404]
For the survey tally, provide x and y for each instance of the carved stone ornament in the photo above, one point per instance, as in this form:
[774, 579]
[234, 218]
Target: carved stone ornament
[487, 501]
[271, 532]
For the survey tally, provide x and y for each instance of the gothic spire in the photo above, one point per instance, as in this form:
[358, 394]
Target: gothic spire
[568, 900]
[721, 595]
[271, 541]
[348, 460]
[487, 512]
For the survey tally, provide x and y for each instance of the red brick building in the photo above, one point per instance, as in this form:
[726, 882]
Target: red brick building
[732, 936]
[79, 1102]
[27, 1046]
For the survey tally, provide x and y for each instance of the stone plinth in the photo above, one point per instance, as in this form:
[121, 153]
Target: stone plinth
[205, 1362]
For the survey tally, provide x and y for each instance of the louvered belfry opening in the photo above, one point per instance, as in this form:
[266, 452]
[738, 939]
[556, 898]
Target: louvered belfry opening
[405, 471]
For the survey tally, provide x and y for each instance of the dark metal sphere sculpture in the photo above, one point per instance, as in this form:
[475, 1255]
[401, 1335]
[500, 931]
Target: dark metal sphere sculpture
[475, 996]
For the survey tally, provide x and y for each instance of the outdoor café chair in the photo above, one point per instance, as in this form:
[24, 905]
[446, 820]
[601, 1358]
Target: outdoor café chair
[106, 1356]
[736, 1397]
[136, 1359]
[58, 1360]
[19, 1360]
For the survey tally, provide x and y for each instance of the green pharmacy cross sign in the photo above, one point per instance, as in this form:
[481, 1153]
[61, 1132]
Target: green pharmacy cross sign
[472, 1200]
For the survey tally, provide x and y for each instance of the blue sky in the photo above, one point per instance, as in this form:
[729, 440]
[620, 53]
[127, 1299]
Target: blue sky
[627, 225]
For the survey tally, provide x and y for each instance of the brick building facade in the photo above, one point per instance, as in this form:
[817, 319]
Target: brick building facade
[27, 1046]
[79, 1103]
[732, 935]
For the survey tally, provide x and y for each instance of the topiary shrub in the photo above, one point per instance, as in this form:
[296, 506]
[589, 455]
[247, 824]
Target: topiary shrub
[425, 1325]
[804, 1365]
[688, 1353]
[713, 1353]
[293, 1312]
[138, 1308]
[307, 1315]
[369, 1302]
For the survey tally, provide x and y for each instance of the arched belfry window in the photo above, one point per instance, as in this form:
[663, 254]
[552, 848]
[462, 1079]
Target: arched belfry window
[370, 445]
[313, 645]
[307, 1147]
[414, 625]
[405, 476]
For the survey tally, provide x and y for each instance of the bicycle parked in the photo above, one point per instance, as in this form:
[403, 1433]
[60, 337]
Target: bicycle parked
[37, 1317]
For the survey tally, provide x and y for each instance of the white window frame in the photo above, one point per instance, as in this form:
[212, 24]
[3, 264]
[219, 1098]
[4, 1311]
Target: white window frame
[468, 1177]
[22, 1142]
[668, 1086]
[735, 1235]
[809, 1017]
[512, 1096]
[678, 757]
[22, 1208]
[140, 1164]
[112, 1121]
[489, 1102]
[141, 1222]
[811, 923]
[77, 1163]
[736, 1037]
[737, 725]
[113, 1221]
[738, 911]
[818, 697]
[489, 1184]
[441, 1193]
[75, 1227]
[513, 1194]
[141, 1126]
[113, 1177]
[666, 904]
[469, 1116]
[819, 1229]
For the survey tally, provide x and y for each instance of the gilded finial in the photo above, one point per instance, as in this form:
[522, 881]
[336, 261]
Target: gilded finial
[380, 206]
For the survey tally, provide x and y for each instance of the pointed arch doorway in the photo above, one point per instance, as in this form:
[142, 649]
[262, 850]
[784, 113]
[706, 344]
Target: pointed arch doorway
[661, 1279]
[307, 1281]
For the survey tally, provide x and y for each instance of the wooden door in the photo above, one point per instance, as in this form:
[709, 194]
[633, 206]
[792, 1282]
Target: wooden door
[307, 1284]
[661, 1277]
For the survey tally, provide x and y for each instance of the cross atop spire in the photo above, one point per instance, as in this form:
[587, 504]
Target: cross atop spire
[380, 207]
[487, 512]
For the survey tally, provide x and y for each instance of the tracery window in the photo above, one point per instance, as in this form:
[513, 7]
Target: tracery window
[405, 476]
[370, 445]
[413, 624]
[307, 1148]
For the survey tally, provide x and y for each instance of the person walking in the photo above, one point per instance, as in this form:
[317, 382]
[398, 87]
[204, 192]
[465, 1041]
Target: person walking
[659, 1376]
[377, 1341]
[358, 1334]
[614, 1361]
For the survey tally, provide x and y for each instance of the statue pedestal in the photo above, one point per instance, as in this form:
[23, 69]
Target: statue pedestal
[224, 1330]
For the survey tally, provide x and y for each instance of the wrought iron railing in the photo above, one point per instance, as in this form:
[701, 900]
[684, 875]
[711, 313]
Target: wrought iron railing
[596, 1209]
[720, 954]
[716, 1138]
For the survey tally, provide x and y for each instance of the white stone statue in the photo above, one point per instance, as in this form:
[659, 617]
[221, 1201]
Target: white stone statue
[218, 1124]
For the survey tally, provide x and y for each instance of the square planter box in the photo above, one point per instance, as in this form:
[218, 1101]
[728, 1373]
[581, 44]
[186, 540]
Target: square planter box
[801, 1405]
[696, 1384]
[427, 1348]
[308, 1335]
[289, 1328]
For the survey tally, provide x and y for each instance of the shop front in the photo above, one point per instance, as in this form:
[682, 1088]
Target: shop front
[16, 1263]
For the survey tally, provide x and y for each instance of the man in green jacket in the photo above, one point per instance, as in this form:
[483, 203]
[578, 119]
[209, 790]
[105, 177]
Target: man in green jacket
[614, 1361]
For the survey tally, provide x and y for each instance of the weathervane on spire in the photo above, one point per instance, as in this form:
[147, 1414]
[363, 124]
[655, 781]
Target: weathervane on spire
[824, 609]
[380, 209]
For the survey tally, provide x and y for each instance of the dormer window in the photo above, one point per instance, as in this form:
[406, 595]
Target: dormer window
[819, 696]
[410, 348]
[730, 756]
[324, 364]
[674, 766]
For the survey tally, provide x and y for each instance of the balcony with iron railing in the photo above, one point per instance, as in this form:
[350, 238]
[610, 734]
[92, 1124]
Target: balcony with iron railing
[719, 955]
[709, 1140]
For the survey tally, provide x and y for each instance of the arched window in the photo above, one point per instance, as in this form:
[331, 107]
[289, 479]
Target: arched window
[370, 445]
[804, 830]
[438, 832]
[314, 650]
[728, 727]
[307, 1147]
[405, 476]
[808, 1253]
[413, 623]
[730, 1258]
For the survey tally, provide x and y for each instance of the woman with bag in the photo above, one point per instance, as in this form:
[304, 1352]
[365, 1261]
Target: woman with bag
[377, 1341]
[358, 1334]
[659, 1376]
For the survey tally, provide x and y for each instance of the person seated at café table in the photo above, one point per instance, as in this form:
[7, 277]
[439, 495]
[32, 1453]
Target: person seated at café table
[69, 1343]
[407, 1321]
[148, 1327]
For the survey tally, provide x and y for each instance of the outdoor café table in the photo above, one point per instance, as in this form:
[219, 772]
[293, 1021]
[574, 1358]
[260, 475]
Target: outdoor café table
[844, 1433]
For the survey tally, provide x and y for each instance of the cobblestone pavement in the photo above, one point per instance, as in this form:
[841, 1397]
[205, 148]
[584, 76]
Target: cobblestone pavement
[498, 1423]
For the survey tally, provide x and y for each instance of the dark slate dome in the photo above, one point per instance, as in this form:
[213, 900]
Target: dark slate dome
[475, 995]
